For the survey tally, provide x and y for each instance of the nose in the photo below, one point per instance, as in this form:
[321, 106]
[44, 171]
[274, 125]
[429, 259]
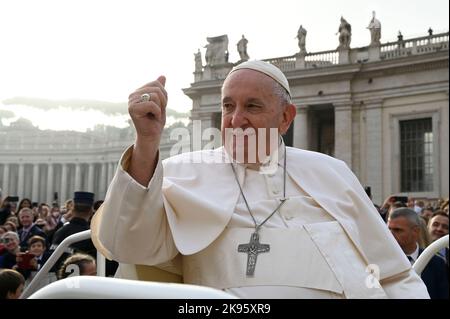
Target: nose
[441, 229]
[239, 118]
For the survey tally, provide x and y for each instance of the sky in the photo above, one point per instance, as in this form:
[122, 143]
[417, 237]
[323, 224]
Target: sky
[103, 50]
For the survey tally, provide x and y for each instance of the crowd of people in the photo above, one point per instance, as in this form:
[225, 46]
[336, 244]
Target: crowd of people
[317, 227]
[415, 224]
[30, 233]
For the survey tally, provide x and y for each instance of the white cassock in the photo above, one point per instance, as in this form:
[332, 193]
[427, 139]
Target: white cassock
[327, 240]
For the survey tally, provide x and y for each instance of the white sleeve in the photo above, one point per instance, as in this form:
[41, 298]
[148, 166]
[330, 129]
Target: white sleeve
[405, 285]
[131, 226]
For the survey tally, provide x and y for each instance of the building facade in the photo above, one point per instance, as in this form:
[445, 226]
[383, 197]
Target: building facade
[383, 109]
[48, 166]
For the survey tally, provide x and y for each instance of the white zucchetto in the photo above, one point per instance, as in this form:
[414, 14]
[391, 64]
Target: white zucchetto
[266, 68]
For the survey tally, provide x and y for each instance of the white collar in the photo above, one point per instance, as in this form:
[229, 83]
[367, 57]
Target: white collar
[415, 254]
[28, 228]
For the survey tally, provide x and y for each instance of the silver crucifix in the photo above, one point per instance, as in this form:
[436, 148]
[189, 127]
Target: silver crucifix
[253, 248]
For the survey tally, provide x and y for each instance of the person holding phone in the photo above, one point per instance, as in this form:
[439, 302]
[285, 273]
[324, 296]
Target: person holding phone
[391, 203]
[29, 262]
[35, 257]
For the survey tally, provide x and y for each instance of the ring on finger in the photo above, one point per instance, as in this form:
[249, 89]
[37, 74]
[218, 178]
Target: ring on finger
[146, 97]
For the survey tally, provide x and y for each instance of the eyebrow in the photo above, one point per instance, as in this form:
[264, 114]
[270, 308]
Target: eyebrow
[249, 100]
[227, 99]
[255, 100]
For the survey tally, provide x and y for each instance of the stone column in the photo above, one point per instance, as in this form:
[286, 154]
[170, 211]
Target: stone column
[20, 182]
[50, 184]
[374, 53]
[77, 177]
[35, 190]
[91, 178]
[5, 185]
[344, 56]
[64, 182]
[343, 132]
[301, 128]
[374, 150]
[102, 182]
[300, 60]
[110, 172]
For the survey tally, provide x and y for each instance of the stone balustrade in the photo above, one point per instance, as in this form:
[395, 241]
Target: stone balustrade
[415, 46]
[389, 50]
[322, 59]
[283, 63]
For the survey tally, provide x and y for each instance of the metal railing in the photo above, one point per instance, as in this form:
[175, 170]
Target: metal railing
[99, 287]
[111, 288]
[428, 253]
[87, 287]
[43, 272]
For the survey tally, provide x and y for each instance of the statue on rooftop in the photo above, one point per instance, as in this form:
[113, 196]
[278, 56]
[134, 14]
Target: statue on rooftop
[198, 61]
[301, 35]
[375, 30]
[216, 50]
[345, 35]
[242, 49]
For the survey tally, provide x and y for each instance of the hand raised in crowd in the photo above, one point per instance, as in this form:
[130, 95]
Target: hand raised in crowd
[388, 202]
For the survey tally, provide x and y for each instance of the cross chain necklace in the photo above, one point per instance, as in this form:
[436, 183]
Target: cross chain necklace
[254, 247]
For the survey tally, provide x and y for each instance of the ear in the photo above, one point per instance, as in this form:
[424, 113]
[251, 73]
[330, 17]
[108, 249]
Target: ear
[416, 231]
[289, 113]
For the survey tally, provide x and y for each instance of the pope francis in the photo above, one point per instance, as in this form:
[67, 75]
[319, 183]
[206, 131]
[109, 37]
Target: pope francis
[254, 217]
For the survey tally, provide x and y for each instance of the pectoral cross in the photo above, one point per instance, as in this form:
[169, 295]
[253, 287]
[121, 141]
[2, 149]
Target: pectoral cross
[253, 248]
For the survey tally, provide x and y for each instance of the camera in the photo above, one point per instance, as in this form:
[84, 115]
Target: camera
[402, 199]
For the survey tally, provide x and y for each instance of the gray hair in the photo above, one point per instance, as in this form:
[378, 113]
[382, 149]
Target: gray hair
[407, 213]
[25, 210]
[281, 93]
[11, 233]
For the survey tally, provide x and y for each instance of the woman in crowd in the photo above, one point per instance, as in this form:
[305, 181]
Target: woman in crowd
[25, 202]
[10, 240]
